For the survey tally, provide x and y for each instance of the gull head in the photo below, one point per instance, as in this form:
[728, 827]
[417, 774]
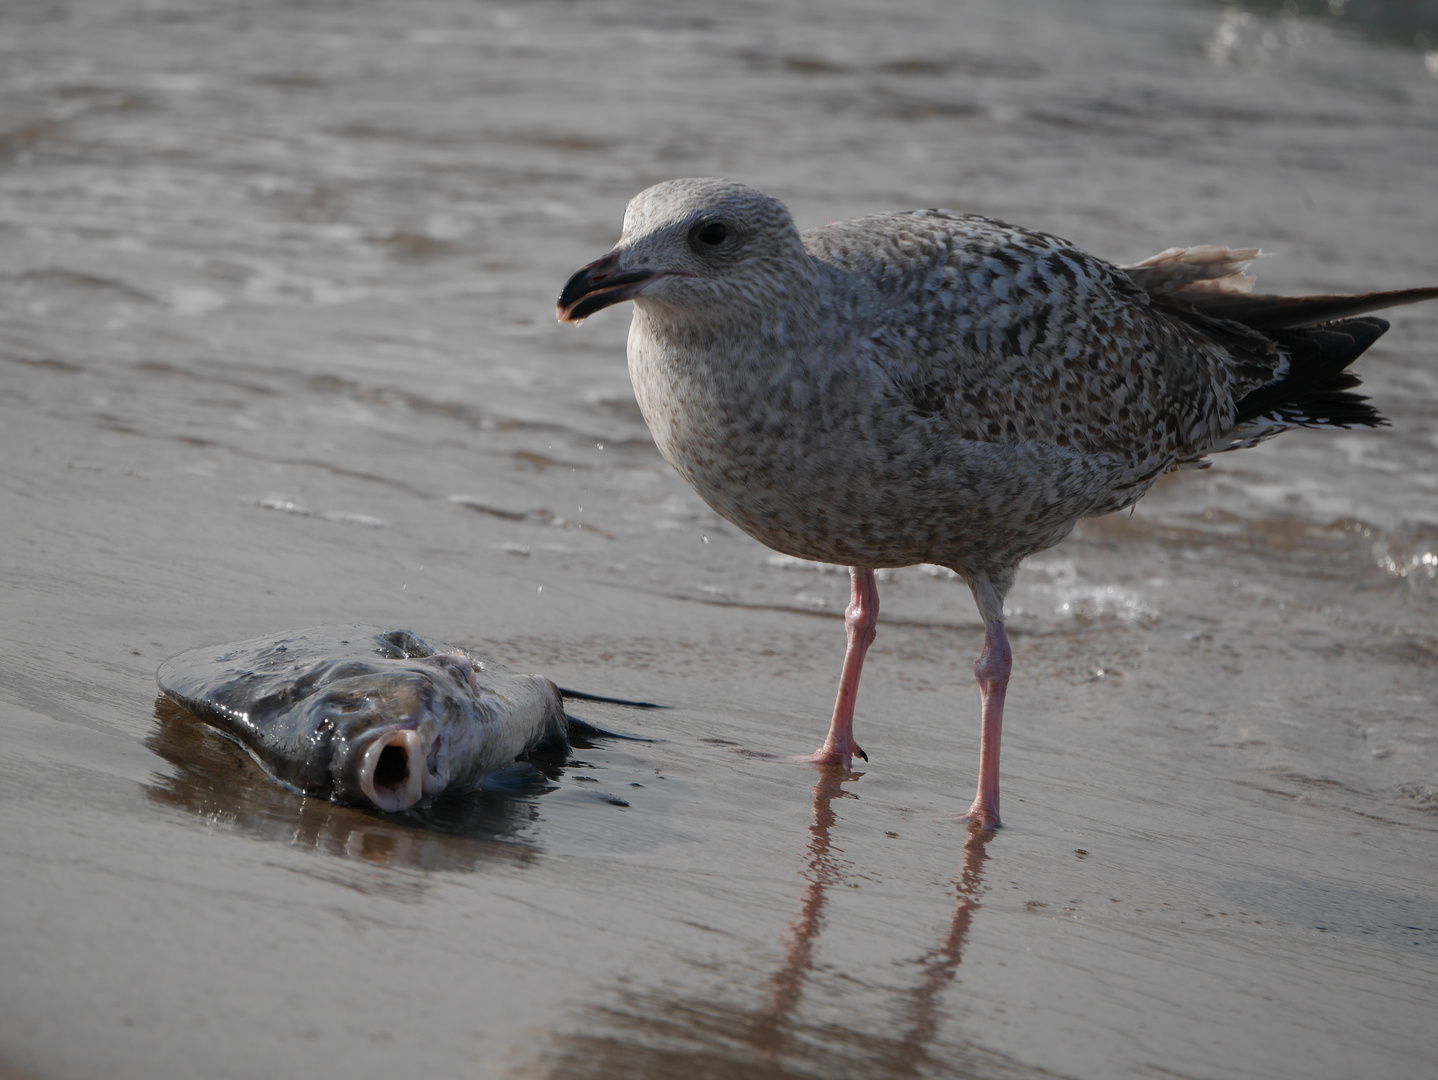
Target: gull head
[694, 249]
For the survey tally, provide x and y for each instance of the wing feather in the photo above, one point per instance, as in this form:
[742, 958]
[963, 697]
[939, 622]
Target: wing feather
[1008, 335]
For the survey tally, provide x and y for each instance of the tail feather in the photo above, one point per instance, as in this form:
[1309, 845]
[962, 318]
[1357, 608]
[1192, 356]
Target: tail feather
[1293, 350]
[1287, 312]
[1313, 390]
[1209, 269]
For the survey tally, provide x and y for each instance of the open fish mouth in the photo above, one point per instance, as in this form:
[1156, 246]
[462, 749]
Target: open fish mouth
[393, 768]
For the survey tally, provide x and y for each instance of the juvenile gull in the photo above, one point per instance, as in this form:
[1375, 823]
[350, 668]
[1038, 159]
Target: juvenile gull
[945, 388]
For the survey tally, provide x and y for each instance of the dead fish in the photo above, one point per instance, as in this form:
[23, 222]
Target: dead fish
[368, 716]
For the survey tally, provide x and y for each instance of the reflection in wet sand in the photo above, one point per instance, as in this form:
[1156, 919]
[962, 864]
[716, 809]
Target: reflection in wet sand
[941, 963]
[907, 1055]
[787, 986]
[652, 1035]
[215, 780]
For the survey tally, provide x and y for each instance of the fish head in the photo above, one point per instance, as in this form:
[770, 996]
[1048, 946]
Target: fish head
[364, 715]
[389, 724]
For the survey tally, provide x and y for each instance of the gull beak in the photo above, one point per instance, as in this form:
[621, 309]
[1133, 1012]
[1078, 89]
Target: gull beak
[599, 285]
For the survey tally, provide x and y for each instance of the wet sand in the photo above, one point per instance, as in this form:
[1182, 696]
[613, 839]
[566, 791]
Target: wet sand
[277, 348]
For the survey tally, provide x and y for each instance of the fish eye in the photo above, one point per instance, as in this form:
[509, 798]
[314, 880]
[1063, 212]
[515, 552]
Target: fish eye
[710, 234]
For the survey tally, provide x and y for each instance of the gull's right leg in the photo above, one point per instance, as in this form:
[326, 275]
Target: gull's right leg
[860, 618]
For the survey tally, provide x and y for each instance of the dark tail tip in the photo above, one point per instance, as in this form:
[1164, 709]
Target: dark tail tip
[1315, 391]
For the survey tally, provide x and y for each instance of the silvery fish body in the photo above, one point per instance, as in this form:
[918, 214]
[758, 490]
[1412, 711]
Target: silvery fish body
[364, 715]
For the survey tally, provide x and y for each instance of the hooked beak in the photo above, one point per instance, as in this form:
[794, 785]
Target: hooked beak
[599, 285]
[392, 771]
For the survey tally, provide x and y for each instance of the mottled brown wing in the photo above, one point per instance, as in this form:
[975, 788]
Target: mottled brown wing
[1010, 335]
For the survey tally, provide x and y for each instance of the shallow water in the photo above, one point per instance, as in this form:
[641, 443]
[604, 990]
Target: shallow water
[278, 348]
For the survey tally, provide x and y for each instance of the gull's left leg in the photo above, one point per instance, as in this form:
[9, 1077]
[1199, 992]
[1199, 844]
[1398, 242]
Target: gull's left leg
[992, 672]
[860, 619]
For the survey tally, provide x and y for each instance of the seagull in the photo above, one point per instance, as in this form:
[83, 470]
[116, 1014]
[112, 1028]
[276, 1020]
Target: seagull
[940, 387]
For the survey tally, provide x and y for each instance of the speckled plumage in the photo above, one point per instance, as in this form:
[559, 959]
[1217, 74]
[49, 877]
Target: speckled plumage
[928, 387]
[937, 387]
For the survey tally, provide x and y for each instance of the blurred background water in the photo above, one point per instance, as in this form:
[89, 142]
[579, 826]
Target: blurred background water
[277, 347]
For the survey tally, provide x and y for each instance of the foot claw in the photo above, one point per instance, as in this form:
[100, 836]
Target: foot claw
[832, 755]
[982, 817]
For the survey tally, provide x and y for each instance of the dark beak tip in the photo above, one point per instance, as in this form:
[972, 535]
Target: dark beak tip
[587, 291]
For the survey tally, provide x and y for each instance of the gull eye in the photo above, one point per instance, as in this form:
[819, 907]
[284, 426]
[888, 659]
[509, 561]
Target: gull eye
[712, 234]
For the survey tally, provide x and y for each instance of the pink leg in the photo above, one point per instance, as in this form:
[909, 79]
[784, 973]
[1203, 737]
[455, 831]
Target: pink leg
[860, 619]
[992, 671]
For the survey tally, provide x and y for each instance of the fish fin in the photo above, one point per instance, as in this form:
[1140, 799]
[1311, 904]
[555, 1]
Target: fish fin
[585, 730]
[514, 779]
[580, 695]
[403, 645]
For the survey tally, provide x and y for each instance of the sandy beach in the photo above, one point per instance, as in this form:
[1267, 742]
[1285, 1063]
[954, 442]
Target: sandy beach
[278, 348]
